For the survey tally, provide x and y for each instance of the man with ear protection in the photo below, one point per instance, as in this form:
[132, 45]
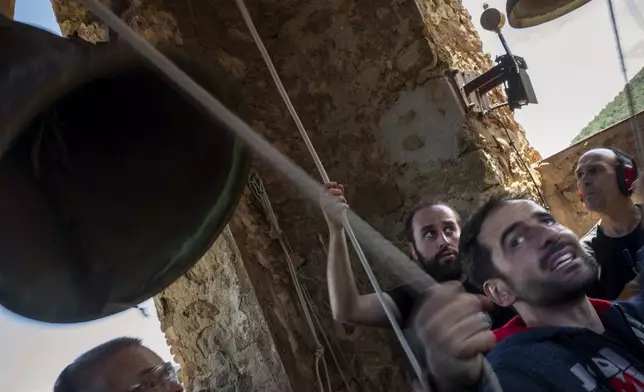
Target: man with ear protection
[606, 179]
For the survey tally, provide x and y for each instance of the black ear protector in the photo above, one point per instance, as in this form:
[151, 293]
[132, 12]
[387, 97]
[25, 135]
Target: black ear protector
[625, 171]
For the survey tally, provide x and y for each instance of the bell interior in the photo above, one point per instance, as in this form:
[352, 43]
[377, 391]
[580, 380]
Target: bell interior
[109, 195]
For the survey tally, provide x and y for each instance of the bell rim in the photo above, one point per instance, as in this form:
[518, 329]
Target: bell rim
[522, 23]
[109, 60]
[243, 158]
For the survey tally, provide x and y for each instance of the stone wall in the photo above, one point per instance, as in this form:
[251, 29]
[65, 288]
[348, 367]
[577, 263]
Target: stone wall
[7, 7]
[214, 310]
[368, 79]
[558, 174]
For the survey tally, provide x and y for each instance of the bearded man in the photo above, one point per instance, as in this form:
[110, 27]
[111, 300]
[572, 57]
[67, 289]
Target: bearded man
[433, 231]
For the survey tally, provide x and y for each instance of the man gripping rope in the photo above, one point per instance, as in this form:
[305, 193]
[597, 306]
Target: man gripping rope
[433, 231]
[561, 340]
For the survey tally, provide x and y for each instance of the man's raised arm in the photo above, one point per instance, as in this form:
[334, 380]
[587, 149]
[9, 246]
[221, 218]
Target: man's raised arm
[347, 304]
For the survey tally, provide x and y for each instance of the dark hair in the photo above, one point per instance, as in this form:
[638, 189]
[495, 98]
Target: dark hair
[409, 227]
[72, 378]
[476, 257]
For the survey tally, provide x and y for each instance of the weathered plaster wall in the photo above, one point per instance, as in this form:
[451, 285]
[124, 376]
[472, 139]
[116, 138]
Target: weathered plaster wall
[214, 310]
[558, 174]
[368, 79]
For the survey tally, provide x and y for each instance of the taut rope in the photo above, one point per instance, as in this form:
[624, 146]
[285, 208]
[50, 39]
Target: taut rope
[356, 228]
[325, 179]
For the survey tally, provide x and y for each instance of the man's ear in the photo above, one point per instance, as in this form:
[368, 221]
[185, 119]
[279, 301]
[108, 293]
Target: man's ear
[499, 292]
[412, 251]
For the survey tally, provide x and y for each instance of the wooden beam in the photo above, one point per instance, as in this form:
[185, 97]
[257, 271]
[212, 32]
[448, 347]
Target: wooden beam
[7, 7]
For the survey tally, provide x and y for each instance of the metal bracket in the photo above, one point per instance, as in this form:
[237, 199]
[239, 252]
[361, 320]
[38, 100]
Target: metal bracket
[478, 103]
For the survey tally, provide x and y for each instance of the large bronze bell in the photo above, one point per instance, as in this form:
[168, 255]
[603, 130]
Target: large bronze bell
[112, 184]
[528, 13]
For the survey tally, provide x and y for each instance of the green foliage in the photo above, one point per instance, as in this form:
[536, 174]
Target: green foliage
[617, 110]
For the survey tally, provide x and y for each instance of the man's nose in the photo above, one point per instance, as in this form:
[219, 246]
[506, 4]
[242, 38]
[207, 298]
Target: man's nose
[442, 240]
[584, 179]
[546, 235]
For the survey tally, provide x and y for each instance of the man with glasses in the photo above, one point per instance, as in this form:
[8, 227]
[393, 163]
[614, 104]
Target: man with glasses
[120, 365]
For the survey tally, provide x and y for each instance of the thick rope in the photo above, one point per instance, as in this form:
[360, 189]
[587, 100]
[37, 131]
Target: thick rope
[325, 179]
[259, 191]
[316, 317]
[635, 128]
[390, 256]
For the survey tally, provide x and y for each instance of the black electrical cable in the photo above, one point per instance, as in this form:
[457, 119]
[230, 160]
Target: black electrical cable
[627, 88]
[525, 164]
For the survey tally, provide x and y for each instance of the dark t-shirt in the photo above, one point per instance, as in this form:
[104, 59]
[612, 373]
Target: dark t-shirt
[406, 300]
[618, 258]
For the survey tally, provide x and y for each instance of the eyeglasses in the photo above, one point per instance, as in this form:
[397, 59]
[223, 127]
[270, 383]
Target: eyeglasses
[156, 378]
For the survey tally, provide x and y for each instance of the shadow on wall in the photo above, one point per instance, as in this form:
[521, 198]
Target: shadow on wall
[558, 174]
